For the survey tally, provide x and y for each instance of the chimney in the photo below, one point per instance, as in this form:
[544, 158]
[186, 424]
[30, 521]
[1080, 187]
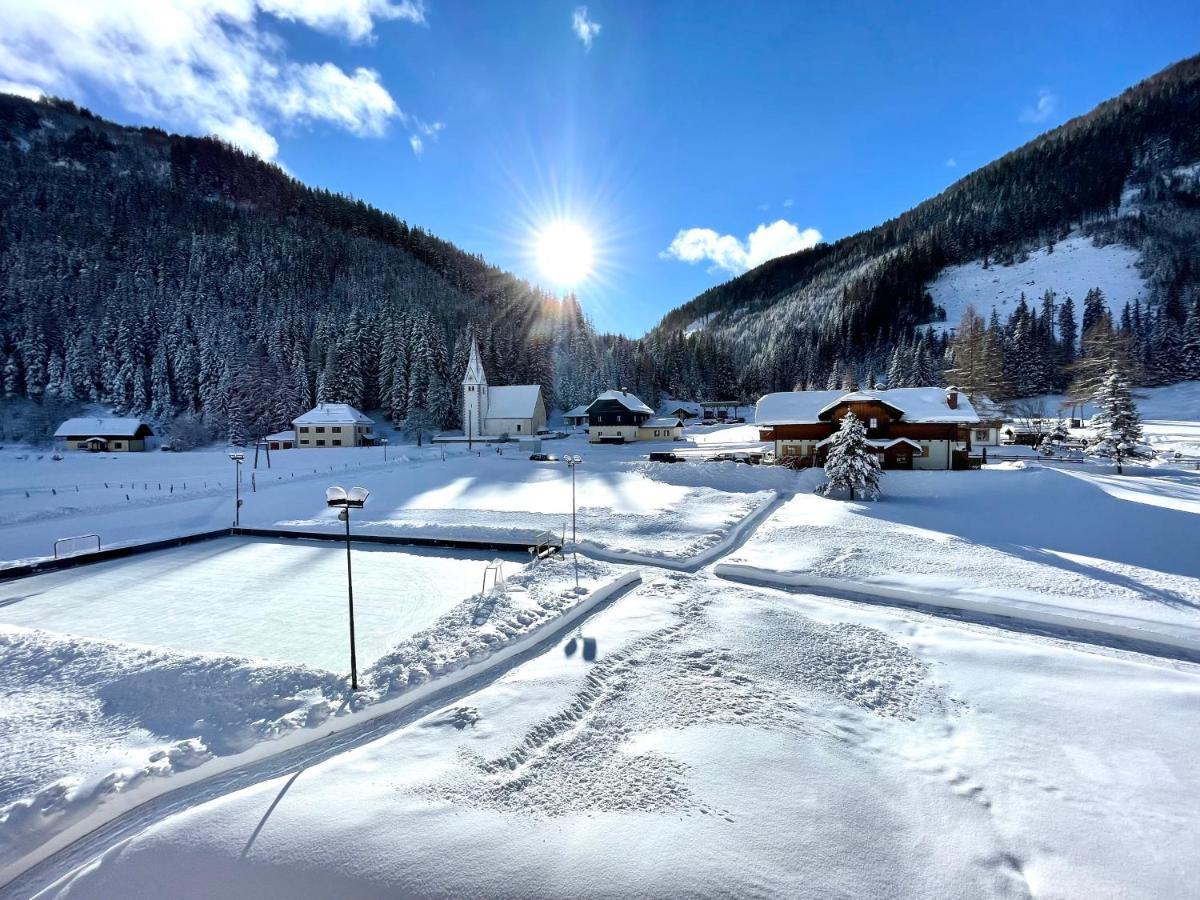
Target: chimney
[952, 397]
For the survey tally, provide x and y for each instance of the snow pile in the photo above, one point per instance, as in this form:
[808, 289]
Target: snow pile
[153, 713]
[1074, 267]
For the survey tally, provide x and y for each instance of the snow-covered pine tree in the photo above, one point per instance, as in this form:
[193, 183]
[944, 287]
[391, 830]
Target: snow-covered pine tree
[849, 464]
[1117, 423]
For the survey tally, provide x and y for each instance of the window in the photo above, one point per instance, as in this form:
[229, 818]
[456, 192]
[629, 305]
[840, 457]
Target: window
[518, 426]
[336, 443]
[304, 429]
[320, 443]
[874, 423]
[982, 434]
[320, 429]
[336, 429]
[304, 440]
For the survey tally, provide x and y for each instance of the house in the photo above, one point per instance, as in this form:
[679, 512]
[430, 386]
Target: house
[681, 409]
[616, 417]
[103, 435]
[282, 440]
[910, 428]
[991, 418]
[574, 418]
[334, 425]
[720, 410]
[514, 410]
[661, 428]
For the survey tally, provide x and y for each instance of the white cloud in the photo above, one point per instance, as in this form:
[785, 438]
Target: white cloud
[952, 163]
[733, 255]
[788, 203]
[214, 67]
[1040, 111]
[418, 145]
[353, 18]
[585, 29]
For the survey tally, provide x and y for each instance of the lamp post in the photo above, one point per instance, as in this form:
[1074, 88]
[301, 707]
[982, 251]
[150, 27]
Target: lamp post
[345, 500]
[572, 462]
[237, 488]
[384, 441]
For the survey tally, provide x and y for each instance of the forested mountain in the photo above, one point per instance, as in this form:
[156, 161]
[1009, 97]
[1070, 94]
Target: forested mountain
[840, 312]
[180, 278]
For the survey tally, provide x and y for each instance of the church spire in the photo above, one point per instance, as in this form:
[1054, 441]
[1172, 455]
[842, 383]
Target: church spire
[474, 373]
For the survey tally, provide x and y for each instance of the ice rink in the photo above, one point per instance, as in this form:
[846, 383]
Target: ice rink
[282, 600]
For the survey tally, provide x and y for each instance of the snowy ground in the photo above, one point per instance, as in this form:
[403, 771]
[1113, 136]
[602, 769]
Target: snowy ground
[731, 741]
[623, 505]
[728, 739]
[1076, 266]
[1097, 547]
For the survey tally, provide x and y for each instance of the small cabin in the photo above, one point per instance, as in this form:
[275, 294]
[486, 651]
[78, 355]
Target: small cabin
[103, 435]
[282, 440]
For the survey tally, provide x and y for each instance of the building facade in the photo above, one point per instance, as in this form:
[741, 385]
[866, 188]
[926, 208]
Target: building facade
[909, 428]
[334, 425]
[617, 417]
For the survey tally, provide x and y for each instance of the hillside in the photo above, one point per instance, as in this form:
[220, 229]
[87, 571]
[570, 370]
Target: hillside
[181, 278]
[1122, 177]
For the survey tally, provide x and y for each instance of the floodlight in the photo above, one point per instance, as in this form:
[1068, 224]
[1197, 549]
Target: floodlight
[335, 496]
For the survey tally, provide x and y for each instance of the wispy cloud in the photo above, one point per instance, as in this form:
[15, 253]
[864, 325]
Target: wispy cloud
[734, 255]
[951, 163]
[585, 29]
[215, 67]
[789, 203]
[1042, 109]
[422, 130]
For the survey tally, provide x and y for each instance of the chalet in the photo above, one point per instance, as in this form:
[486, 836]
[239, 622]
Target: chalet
[616, 417]
[515, 410]
[103, 435]
[574, 418]
[681, 409]
[991, 419]
[910, 428]
[334, 425]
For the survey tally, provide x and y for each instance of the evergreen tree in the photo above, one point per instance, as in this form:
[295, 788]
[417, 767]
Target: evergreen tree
[849, 465]
[1117, 423]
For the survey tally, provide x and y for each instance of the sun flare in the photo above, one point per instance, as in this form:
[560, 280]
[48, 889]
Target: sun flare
[564, 252]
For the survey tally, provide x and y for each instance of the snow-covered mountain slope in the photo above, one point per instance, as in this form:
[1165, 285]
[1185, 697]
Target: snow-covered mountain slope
[1070, 268]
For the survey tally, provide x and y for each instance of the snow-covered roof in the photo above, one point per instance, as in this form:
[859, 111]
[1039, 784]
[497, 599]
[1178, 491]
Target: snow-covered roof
[333, 414]
[281, 436]
[662, 422]
[689, 406]
[579, 412]
[513, 401]
[106, 427]
[919, 404]
[626, 399]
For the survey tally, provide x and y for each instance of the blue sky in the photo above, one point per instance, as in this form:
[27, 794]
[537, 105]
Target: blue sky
[725, 117]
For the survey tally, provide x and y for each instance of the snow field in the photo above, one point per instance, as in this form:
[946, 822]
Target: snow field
[266, 716]
[1076, 266]
[1113, 554]
[730, 740]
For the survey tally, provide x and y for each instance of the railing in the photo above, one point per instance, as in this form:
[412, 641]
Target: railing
[78, 537]
[496, 568]
[543, 546]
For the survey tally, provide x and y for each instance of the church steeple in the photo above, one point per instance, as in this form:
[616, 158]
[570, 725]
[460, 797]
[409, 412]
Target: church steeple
[474, 373]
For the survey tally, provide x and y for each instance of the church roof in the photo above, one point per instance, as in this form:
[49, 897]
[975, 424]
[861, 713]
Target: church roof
[513, 401]
[474, 374]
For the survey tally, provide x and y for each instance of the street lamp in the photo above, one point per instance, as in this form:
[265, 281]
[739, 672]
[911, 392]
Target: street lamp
[345, 500]
[572, 462]
[237, 488]
[384, 441]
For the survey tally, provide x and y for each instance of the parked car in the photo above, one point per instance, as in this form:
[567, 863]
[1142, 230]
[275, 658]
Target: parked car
[542, 457]
[665, 456]
[738, 457]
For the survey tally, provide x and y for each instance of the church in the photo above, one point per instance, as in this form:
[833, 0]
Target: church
[491, 412]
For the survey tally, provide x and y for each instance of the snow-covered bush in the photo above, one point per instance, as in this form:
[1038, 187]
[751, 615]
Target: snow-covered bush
[849, 464]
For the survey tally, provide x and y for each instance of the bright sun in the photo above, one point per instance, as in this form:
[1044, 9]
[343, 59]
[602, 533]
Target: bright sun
[564, 253]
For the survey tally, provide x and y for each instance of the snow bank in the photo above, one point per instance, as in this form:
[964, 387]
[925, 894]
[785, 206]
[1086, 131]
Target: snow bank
[272, 710]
